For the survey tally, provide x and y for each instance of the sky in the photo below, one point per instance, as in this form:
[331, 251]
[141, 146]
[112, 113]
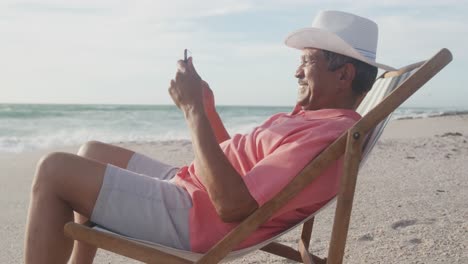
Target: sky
[125, 51]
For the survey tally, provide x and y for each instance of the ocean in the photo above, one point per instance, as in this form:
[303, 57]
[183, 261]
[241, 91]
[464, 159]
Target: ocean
[26, 127]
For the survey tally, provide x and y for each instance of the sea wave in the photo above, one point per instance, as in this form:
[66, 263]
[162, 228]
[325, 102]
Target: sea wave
[31, 127]
[65, 138]
[418, 113]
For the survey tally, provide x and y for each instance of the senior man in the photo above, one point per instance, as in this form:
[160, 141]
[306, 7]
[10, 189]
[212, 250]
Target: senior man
[194, 206]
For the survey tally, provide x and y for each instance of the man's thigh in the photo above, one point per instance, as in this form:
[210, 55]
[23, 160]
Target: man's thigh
[142, 207]
[143, 164]
[125, 158]
[106, 153]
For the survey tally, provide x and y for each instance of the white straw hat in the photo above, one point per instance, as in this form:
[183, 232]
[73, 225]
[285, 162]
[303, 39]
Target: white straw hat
[342, 33]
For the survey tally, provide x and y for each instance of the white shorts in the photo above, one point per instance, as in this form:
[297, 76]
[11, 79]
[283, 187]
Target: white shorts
[142, 203]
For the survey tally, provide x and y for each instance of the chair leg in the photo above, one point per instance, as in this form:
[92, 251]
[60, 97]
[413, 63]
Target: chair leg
[344, 203]
[282, 251]
[304, 242]
[290, 253]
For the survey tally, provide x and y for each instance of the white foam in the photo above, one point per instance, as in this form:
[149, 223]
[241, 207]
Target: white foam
[31, 127]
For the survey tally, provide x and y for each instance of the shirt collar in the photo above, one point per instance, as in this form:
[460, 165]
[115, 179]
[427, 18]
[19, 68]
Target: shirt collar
[325, 113]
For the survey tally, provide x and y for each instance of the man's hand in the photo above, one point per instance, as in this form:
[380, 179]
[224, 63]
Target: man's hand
[210, 110]
[208, 98]
[186, 88]
[225, 187]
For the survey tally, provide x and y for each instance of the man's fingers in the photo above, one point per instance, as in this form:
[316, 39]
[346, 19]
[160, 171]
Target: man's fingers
[181, 66]
[191, 68]
[186, 67]
[178, 76]
[171, 87]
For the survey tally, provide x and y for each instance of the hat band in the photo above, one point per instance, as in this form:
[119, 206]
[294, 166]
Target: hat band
[366, 53]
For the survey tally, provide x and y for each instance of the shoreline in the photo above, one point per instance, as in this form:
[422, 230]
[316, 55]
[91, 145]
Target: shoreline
[410, 202]
[426, 127]
[455, 113]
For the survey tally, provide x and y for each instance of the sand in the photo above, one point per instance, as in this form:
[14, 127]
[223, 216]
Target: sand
[410, 204]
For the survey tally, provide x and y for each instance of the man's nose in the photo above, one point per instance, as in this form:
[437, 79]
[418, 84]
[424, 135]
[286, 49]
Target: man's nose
[299, 73]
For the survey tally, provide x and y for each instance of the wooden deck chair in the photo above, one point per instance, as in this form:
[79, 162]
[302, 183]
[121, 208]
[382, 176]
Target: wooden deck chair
[355, 144]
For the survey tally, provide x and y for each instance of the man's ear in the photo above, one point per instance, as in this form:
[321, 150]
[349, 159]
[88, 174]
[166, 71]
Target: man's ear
[346, 75]
[347, 72]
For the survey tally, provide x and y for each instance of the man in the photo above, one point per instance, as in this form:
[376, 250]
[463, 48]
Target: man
[195, 206]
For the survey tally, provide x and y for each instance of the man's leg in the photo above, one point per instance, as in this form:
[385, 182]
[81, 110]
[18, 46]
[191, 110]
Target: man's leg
[105, 153]
[63, 183]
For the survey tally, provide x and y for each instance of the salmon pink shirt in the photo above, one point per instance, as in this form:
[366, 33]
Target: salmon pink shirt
[267, 159]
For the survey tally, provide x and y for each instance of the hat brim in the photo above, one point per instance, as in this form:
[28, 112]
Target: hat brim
[321, 39]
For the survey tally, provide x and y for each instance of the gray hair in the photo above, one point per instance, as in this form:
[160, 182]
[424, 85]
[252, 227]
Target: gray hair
[365, 73]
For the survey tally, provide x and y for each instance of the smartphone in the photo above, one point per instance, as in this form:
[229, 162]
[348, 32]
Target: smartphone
[187, 54]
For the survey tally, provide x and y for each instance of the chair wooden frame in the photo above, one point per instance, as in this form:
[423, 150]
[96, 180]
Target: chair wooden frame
[349, 144]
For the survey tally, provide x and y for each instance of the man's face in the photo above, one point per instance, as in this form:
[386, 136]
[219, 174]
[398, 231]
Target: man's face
[318, 86]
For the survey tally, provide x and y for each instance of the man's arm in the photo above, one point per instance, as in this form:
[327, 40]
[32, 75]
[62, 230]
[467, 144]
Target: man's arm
[224, 185]
[216, 124]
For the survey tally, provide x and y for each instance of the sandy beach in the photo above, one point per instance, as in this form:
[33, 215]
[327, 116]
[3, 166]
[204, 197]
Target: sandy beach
[410, 204]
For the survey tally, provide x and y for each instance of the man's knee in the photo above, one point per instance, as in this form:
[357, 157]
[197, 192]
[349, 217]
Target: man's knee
[90, 148]
[48, 170]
